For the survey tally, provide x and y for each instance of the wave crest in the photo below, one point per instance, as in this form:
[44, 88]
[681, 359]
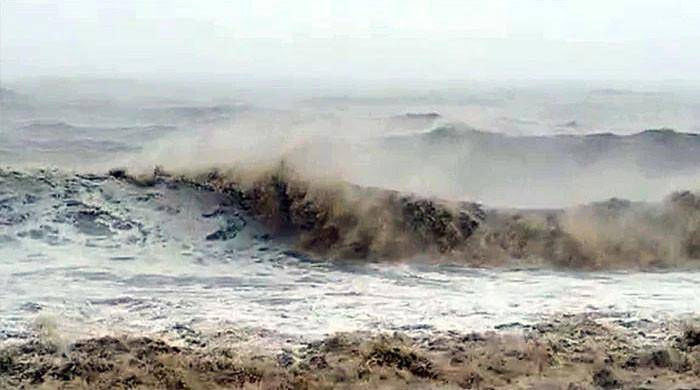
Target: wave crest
[342, 220]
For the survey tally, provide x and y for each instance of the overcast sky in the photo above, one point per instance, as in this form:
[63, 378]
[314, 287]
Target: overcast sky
[491, 39]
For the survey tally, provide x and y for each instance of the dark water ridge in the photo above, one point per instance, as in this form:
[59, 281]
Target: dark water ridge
[340, 220]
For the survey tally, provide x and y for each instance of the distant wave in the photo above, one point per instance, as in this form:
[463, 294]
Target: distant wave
[33, 140]
[655, 151]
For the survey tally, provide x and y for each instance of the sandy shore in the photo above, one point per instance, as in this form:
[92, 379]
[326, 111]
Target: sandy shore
[569, 352]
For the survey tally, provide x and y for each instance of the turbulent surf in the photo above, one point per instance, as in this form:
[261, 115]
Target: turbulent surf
[178, 246]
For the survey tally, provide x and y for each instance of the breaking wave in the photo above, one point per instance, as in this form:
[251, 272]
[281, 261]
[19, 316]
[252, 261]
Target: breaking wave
[339, 220]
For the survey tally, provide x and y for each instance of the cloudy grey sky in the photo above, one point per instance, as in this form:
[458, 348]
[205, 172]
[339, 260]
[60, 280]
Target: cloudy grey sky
[490, 39]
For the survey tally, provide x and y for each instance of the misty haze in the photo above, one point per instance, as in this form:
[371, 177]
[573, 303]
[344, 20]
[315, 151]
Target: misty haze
[327, 195]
